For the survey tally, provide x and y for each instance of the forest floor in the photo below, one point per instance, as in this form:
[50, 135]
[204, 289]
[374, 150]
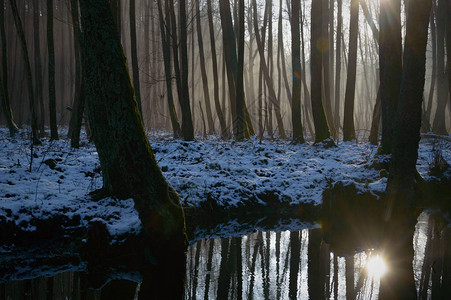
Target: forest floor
[54, 179]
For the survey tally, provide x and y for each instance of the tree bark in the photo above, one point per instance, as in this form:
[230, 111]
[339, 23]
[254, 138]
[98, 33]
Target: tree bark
[319, 117]
[348, 122]
[298, 136]
[187, 122]
[338, 67]
[128, 166]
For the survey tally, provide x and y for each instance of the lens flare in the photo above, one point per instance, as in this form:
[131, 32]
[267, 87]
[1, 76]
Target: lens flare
[376, 267]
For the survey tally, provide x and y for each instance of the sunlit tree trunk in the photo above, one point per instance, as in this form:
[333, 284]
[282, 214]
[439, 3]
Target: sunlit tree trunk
[426, 124]
[28, 76]
[348, 122]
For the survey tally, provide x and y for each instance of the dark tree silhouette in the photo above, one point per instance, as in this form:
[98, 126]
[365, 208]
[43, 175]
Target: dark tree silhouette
[348, 122]
[51, 71]
[134, 53]
[399, 282]
[319, 117]
[4, 78]
[390, 66]
[298, 136]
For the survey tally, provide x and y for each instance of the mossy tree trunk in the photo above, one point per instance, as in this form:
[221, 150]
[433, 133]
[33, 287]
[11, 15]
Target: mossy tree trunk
[128, 165]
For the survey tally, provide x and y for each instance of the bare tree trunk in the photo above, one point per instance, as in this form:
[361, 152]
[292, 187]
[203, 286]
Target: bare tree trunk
[319, 117]
[219, 112]
[338, 67]
[390, 65]
[265, 71]
[52, 91]
[23, 43]
[211, 126]
[134, 54]
[165, 42]
[13, 129]
[348, 123]
[298, 136]
[38, 67]
[326, 98]
[426, 124]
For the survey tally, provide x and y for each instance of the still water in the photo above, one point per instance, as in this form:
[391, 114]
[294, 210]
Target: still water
[265, 265]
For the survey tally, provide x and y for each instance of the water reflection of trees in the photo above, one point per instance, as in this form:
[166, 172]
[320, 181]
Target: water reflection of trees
[265, 265]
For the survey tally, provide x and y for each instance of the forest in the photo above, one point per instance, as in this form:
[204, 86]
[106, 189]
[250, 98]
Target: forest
[260, 149]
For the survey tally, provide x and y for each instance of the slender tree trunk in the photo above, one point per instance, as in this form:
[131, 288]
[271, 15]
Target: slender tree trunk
[134, 54]
[128, 166]
[211, 126]
[165, 42]
[29, 80]
[265, 71]
[242, 130]
[390, 66]
[319, 117]
[298, 136]
[38, 66]
[51, 72]
[348, 122]
[79, 98]
[280, 46]
[326, 66]
[219, 113]
[13, 129]
[187, 122]
[338, 67]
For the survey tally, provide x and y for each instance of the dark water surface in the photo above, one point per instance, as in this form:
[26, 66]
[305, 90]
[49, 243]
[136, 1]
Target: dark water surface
[263, 265]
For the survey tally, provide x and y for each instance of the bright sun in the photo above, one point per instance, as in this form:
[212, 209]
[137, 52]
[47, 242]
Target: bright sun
[376, 266]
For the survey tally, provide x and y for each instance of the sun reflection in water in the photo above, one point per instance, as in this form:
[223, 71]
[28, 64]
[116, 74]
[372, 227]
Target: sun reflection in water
[376, 266]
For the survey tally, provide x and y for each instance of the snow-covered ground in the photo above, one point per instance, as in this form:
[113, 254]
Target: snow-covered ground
[229, 173]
